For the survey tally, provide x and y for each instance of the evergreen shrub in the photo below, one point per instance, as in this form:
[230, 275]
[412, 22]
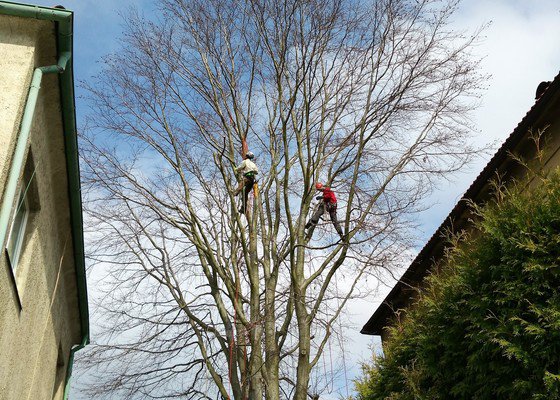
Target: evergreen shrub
[488, 324]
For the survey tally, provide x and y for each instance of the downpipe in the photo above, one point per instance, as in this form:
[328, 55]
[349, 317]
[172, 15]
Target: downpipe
[17, 167]
[71, 366]
[21, 144]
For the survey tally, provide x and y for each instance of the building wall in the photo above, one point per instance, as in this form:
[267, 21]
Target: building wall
[39, 315]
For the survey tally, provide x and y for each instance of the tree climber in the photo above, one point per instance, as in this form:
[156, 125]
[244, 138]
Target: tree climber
[328, 203]
[249, 171]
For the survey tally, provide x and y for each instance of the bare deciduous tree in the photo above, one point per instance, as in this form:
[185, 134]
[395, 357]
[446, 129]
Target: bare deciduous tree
[200, 301]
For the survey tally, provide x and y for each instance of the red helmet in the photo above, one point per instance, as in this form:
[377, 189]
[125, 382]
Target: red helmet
[318, 185]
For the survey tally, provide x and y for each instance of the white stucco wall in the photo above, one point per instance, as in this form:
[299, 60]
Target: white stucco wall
[39, 315]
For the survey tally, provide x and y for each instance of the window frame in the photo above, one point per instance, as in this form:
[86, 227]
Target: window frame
[14, 252]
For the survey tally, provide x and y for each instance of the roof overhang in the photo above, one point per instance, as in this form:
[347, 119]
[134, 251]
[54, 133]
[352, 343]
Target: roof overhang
[63, 20]
[405, 289]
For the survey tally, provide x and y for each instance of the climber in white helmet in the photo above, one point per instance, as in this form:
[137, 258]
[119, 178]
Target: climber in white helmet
[249, 171]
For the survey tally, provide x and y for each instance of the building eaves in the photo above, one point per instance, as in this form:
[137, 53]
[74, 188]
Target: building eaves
[420, 267]
[63, 20]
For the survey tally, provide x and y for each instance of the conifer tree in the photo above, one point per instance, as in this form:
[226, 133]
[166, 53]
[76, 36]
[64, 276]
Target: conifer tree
[487, 327]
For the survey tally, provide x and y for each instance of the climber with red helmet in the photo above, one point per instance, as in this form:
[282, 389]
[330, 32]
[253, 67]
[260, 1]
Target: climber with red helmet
[327, 203]
[249, 171]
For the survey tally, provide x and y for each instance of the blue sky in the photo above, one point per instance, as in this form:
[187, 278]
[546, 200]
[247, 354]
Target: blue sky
[520, 49]
[97, 26]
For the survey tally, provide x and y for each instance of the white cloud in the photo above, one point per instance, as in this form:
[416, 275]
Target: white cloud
[520, 50]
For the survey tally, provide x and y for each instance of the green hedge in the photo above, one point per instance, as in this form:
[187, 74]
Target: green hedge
[488, 326]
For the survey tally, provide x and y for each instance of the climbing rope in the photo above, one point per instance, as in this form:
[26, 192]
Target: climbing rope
[232, 341]
[244, 149]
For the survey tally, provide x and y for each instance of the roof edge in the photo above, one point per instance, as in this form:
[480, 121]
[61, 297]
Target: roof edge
[64, 31]
[517, 135]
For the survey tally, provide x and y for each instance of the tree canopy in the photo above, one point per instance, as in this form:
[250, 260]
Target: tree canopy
[198, 300]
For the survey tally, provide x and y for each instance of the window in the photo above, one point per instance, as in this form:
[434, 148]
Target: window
[17, 230]
[22, 214]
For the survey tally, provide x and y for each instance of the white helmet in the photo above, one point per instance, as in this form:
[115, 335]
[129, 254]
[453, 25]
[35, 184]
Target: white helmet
[249, 155]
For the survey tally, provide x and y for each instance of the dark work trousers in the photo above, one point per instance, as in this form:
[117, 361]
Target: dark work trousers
[331, 209]
[246, 185]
